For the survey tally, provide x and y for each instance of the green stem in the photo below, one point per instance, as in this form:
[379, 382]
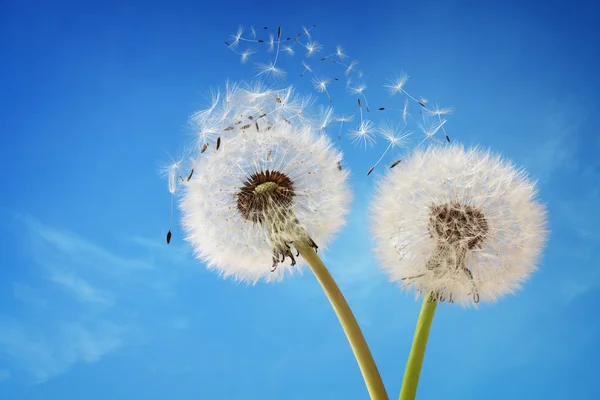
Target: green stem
[417, 352]
[353, 333]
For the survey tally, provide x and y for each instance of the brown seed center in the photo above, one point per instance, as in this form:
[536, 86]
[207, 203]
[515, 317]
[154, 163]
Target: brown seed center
[458, 224]
[264, 192]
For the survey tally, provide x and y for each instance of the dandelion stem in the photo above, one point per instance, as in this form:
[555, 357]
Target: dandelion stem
[417, 352]
[353, 333]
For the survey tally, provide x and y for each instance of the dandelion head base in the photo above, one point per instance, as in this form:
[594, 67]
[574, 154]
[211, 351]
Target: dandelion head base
[457, 224]
[262, 192]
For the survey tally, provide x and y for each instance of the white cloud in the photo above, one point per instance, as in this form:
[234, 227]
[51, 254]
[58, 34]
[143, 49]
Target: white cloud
[96, 302]
[81, 289]
[45, 353]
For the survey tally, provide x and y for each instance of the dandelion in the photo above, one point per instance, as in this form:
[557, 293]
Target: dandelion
[457, 225]
[268, 196]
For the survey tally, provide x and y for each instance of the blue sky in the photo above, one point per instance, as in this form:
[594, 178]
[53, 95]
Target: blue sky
[94, 304]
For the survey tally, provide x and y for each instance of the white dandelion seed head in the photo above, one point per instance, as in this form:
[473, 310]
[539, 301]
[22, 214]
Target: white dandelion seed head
[463, 224]
[273, 181]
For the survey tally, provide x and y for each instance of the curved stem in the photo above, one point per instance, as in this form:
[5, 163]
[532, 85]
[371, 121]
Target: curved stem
[353, 333]
[417, 352]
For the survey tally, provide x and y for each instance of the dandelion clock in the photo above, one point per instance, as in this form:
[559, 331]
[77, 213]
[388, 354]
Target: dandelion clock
[456, 225]
[268, 191]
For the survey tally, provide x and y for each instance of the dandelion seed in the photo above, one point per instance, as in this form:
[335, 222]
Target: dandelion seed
[396, 85]
[430, 130]
[321, 85]
[327, 117]
[171, 172]
[461, 224]
[270, 70]
[395, 163]
[395, 138]
[288, 49]
[437, 111]
[341, 119]
[405, 111]
[349, 68]
[306, 68]
[312, 48]
[360, 89]
[245, 54]
[364, 133]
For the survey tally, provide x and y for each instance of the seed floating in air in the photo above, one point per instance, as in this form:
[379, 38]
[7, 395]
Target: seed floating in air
[395, 163]
[168, 237]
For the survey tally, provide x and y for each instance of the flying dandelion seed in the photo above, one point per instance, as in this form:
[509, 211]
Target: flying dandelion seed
[461, 224]
[321, 85]
[341, 119]
[360, 89]
[312, 48]
[364, 133]
[395, 138]
[171, 172]
[306, 68]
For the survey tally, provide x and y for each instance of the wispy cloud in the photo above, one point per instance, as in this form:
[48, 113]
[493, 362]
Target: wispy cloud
[81, 289]
[93, 304]
[71, 244]
[46, 353]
